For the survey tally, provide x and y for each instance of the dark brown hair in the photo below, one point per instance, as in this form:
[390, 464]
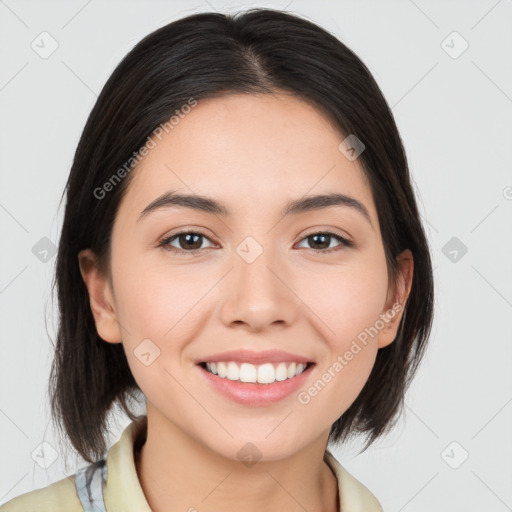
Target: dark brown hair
[259, 51]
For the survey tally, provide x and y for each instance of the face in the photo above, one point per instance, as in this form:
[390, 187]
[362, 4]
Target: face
[259, 280]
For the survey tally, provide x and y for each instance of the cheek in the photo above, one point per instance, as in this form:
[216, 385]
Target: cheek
[338, 384]
[155, 300]
[149, 306]
[161, 308]
[348, 303]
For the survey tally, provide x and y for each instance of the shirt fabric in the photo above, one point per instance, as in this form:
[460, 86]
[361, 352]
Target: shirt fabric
[111, 484]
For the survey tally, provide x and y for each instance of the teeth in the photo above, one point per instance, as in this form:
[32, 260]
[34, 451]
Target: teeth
[263, 374]
[247, 372]
[292, 368]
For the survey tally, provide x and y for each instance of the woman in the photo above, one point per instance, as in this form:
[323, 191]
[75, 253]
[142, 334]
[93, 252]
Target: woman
[238, 252]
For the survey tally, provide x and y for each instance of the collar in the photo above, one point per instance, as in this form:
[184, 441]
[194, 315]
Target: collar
[122, 490]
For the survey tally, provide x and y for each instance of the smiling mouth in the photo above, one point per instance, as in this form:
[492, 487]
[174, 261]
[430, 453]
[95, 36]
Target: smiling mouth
[266, 373]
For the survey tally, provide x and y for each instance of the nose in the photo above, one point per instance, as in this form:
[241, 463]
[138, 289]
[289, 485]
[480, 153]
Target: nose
[259, 293]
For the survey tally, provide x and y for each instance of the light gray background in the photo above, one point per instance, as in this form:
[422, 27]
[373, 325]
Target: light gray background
[454, 115]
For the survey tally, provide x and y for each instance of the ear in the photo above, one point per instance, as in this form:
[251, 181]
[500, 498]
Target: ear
[398, 294]
[100, 298]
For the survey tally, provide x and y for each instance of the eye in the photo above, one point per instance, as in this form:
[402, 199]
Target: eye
[190, 239]
[191, 242]
[324, 238]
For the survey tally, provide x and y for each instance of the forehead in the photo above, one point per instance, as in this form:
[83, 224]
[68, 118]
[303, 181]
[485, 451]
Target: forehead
[266, 148]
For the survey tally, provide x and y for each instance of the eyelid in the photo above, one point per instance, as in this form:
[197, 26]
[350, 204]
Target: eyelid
[328, 231]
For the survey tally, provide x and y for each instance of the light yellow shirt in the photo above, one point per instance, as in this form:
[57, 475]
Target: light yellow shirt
[118, 488]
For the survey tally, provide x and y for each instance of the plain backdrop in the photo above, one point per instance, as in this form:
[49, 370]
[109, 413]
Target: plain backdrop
[444, 67]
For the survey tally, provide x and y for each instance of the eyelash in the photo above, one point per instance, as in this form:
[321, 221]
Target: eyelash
[164, 243]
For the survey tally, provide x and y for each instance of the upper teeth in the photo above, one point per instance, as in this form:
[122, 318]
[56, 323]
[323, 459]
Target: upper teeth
[264, 374]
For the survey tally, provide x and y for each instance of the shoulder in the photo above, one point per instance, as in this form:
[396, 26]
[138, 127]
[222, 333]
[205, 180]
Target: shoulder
[60, 496]
[354, 496]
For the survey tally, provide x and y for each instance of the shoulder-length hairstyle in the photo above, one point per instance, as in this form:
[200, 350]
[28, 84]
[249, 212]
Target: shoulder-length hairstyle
[205, 55]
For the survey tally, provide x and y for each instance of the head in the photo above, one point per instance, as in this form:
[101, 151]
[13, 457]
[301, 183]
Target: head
[227, 108]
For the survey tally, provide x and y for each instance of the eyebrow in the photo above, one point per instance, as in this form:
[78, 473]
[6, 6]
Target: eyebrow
[206, 204]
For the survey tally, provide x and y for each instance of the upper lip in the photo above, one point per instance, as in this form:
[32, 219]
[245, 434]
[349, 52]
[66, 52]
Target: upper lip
[249, 356]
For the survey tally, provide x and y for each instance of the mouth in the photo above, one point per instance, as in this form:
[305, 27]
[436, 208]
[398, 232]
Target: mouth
[256, 386]
[255, 378]
[257, 374]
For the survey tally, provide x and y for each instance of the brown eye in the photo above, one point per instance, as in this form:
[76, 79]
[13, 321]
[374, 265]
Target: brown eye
[188, 241]
[321, 242]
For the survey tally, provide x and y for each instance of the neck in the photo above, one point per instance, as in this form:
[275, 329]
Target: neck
[179, 474]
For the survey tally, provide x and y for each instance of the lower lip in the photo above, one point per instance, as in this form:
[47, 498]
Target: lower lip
[250, 393]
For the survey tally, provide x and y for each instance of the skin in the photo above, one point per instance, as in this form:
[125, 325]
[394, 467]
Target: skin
[215, 301]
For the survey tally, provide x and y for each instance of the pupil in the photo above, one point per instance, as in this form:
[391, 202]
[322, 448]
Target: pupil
[188, 236]
[315, 237]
